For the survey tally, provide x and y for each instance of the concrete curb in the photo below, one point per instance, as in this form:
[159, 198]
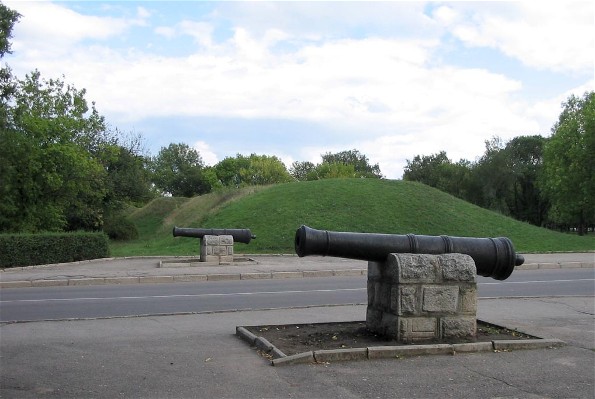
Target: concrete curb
[183, 278]
[278, 358]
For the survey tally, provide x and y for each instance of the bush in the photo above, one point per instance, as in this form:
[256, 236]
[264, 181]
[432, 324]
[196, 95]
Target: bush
[38, 249]
[120, 228]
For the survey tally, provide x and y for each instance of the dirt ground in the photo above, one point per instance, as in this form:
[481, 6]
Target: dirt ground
[298, 338]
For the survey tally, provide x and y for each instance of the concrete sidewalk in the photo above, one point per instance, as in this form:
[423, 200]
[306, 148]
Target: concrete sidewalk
[186, 269]
[195, 356]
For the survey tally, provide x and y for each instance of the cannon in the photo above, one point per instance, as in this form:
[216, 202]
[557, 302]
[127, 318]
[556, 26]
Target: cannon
[493, 257]
[239, 235]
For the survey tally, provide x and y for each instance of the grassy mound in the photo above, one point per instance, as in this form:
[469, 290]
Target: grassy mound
[361, 205]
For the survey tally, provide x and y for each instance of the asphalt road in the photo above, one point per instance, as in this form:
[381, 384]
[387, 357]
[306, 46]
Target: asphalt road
[88, 302]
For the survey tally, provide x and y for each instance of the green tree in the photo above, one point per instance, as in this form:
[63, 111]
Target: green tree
[360, 163]
[302, 170]
[49, 180]
[335, 170]
[8, 18]
[179, 170]
[525, 161]
[569, 164]
[251, 170]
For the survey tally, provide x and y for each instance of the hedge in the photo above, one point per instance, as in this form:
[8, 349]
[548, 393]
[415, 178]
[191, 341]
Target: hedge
[47, 248]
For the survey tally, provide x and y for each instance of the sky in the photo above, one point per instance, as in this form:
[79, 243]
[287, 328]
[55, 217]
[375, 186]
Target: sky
[300, 79]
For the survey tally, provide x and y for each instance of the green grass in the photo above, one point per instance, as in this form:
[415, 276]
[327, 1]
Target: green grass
[361, 205]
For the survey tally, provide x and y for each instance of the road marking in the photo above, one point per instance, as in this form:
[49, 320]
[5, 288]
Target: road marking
[180, 295]
[255, 293]
[536, 281]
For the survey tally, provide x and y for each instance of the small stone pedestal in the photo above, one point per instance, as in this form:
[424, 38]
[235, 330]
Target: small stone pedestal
[416, 297]
[217, 249]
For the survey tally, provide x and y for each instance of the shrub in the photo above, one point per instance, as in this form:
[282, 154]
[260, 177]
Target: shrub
[120, 228]
[37, 249]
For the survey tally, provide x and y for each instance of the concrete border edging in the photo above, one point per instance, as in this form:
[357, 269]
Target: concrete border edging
[390, 352]
[186, 278]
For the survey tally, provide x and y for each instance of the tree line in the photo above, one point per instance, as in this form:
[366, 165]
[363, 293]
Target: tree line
[548, 182]
[64, 168]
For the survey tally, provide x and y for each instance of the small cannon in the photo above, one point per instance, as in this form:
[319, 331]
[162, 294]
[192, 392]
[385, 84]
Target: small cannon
[239, 235]
[493, 257]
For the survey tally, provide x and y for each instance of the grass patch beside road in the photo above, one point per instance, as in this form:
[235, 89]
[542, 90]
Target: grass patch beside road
[274, 213]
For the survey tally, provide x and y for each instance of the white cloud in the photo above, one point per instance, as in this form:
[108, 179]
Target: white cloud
[551, 35]
[387, 95]
[205, 152]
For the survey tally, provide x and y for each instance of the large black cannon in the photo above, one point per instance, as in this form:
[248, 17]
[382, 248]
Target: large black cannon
[494, 257]
[239, 235]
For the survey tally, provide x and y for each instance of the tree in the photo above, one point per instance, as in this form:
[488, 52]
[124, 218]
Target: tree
[8, 18]
[525, 161]
[360, 163]
[302, 170]
[49, 180]
[569, 165]
[438, 171]
[251, 170]
[179, 170]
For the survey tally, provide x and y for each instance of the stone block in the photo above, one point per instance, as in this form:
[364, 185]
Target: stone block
[255, 276]
[389, 325]
[458, 267]
[335, 355]
[371, 292]
[86, 281]
[210, 240]
[226, 240]
[375, 270]
[417, 328]
[318, 273]
[156, 279]
[287, 274]
[440, 298]
[18, 284]
[473, 347]
[385, 352]
[245, 335]
[406, 300]
[305, 357]
[48, 283]
[190, 278]
[373, 319]
[549, 266]
[122, 280]
[510, 344]
[223, 277]
[349, 272]
[382, 296]
[411, 268]
[458, 327]
[468, 300]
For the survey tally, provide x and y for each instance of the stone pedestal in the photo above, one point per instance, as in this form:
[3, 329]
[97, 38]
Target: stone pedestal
[416, 297]
[218, 249]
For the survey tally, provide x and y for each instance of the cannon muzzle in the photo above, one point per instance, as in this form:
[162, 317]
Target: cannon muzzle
[494, 257]
[239, 235]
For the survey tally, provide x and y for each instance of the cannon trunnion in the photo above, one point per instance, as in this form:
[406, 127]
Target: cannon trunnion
[493, 257]
[239, 235]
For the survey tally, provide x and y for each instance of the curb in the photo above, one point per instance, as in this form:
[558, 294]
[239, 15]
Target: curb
[278, 358]
[184, 278]
[187, 278]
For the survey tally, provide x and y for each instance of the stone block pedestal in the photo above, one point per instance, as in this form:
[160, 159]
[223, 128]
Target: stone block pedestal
[217, 249]
[416, 297]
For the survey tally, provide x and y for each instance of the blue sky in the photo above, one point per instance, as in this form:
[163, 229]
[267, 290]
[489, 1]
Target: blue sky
[299, 79]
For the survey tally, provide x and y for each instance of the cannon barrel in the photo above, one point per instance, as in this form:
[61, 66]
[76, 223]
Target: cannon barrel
[239, 235]
[493, 257]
